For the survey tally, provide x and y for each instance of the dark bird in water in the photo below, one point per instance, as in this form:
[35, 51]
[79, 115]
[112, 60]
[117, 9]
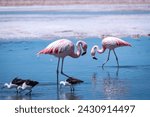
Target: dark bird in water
[28, 85]
[14, 83]
[71, 82]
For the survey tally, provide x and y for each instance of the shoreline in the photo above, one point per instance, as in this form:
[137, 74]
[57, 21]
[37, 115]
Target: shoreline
[63, 25]
[69, 2]
[86, 7]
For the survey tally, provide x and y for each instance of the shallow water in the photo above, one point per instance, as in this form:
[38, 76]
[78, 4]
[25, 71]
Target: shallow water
[6, 16]
[73, 12]
[130, 81]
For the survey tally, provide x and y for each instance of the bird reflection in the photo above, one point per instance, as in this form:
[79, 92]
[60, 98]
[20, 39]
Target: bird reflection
[94, 81]
[57, 86]
[113, 86]
[19, 97]
[69, 96]
[94, 77]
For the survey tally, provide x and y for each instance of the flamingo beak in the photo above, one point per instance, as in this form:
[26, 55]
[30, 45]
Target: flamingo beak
[83, 53]
[95, 58]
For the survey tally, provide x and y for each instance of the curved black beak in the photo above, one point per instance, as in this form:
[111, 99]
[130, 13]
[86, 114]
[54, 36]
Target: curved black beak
[83, 53]
[95, 58]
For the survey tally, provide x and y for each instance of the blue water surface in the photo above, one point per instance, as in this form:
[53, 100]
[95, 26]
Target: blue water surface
[130, 82]
[74, 12]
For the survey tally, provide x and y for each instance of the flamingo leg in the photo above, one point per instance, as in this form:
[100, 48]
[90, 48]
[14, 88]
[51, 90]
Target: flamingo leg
[58, 71]
[116, 57]
[62, 65]
[58, 65]
[107, 59]
[57, 79]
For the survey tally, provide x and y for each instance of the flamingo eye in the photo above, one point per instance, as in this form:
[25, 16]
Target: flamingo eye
[85, 46]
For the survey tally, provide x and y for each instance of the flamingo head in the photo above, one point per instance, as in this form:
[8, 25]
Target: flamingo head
[84, 47]
[93, 52]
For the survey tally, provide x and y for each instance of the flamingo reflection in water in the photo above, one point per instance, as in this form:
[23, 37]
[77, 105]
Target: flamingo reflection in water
[114, 87]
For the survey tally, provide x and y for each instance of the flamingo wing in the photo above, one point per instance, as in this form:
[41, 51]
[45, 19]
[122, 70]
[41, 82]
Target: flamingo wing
[120, 42]
[113, 42]
[62, 46]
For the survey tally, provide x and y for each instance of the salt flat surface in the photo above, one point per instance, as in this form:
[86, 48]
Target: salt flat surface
[73, 21]
[86, 7]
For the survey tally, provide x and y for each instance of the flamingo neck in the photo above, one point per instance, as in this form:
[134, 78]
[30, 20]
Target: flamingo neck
[96, 49]
[78, 53]
[100, 51]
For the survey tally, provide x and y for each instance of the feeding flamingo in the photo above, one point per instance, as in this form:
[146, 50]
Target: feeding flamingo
[62, 48]
[109, 43]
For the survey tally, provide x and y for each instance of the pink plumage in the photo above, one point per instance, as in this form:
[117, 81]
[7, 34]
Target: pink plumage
[109, 43]
[113, 42]
[59, 48]
[64, 47]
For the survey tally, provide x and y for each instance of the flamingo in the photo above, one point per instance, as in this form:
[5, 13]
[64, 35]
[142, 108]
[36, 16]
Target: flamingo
[109, 43]
[62, 48]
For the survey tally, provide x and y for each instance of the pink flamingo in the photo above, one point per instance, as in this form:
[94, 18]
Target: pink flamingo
[62, 48]
[109, 43]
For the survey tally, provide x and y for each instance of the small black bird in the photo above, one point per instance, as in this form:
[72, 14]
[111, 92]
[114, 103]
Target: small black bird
[14, 83]
[28, 85]
[71, 82]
